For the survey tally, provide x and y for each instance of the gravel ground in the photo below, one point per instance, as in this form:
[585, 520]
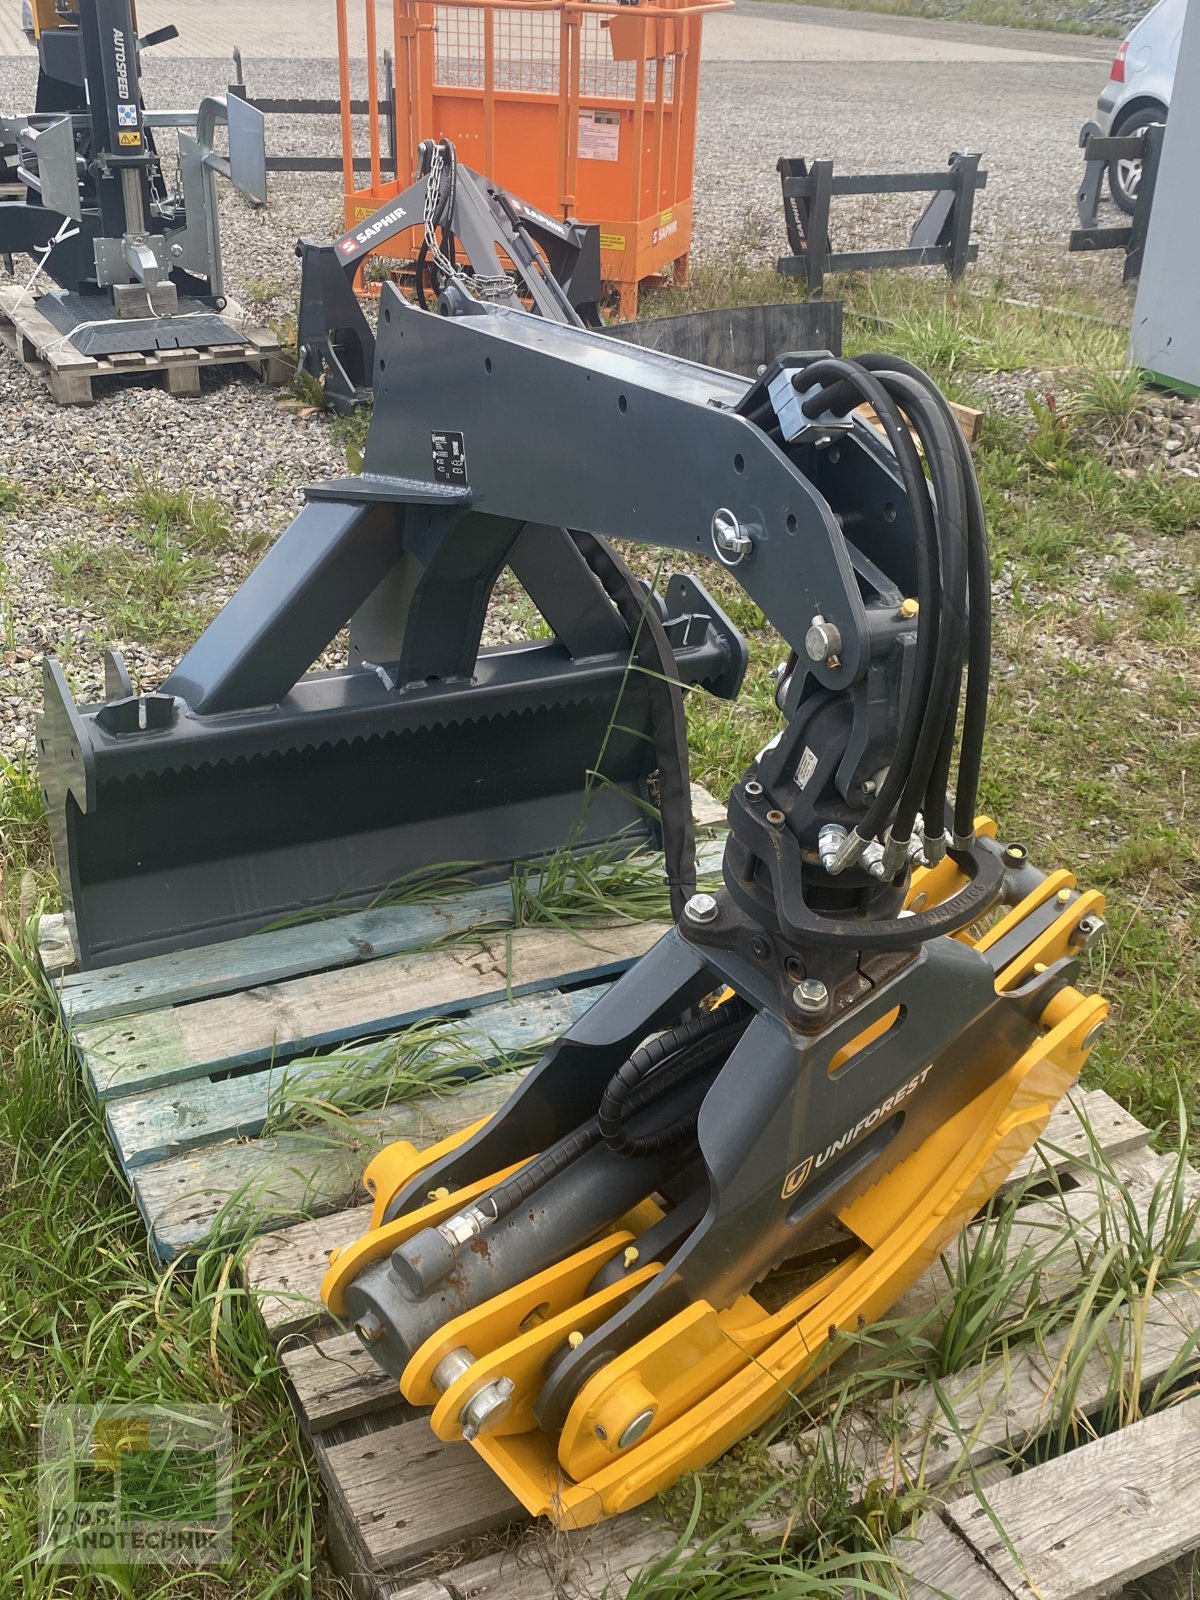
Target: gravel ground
[235, 441]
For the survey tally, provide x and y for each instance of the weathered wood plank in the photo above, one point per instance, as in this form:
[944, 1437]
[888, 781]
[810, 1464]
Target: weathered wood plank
[1080, 1526]
[406, 1492]
[223, 1190]
[1053, 1254]
[974, 1417]
[270, 957]
[166, 1122]
[283, 1270]
[335, 1379]
[544, 1564]
[275, 1020]
[56, 950]
[936, 1563]
[307, 947]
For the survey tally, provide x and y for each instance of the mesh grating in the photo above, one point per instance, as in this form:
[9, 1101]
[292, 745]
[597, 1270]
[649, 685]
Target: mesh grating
[526, 55]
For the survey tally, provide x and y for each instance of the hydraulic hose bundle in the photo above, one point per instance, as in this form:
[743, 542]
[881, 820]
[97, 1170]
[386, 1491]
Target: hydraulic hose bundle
[952, 575]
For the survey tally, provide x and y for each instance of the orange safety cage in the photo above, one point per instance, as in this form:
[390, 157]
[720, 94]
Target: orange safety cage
[584, 108]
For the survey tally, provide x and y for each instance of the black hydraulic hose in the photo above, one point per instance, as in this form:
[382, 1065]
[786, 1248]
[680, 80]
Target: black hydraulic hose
[652, 651]
[658, 1065]
[653, 1069]
[846, 384]
[979, 601]
[934, 805]
[945, 467]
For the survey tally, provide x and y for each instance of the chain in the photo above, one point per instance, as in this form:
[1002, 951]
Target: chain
[477, 283]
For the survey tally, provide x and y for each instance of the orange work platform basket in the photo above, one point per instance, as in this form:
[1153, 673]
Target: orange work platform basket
[584, 108]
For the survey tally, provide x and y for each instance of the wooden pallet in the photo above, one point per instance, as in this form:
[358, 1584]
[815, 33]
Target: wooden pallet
[1081, 1525]
[42, 348]
[190, 1054]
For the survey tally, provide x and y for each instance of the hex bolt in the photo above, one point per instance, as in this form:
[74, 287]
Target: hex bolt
[810, 996]
[1089, 930]
[730, 540]
[775, 818]
[701, 908]
[823, 640]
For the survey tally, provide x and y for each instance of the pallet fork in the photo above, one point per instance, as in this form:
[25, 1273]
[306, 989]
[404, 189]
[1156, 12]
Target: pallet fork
[512, 252]
[832, 1062]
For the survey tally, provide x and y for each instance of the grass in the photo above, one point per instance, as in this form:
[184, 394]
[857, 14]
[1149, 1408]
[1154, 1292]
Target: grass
[1093, 762]
[1055, 16]
[87, 1318]
[142, 583]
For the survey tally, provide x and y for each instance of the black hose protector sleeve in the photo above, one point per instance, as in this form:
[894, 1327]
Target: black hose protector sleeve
[656, 1067]
[846, 383]
[520, 1186]
[979, 637]
[652, 650]
[671, 1058]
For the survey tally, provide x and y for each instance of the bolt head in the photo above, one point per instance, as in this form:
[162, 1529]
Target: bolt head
[730, 540]
[635, 1428]
[1093, 1035]
[1089, 930]
[810, 996]
[823, 641]
[701, 908]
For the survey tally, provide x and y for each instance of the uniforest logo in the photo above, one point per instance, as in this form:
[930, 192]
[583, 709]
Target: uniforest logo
[799, 1175]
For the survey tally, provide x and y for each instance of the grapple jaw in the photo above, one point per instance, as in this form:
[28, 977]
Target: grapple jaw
[249, 789]
[614, 1334]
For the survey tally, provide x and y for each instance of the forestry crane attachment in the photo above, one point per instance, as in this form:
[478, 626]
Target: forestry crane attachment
[832, 1062]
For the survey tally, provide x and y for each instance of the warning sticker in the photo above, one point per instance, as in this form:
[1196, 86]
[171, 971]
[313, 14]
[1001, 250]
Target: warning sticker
[129, 138]
[600, 135]
[612, 241]
[449, 458]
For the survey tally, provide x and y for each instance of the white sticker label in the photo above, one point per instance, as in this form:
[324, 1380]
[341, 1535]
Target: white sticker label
[600, 135]
[806, 768]
[127, 116]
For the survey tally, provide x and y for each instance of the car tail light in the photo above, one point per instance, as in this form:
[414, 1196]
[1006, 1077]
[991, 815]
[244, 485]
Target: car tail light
[1117, 75]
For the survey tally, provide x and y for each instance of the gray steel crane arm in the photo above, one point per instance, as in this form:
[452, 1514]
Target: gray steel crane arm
[565, 426]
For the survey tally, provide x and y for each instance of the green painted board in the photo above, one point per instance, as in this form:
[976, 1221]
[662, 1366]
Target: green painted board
[224, 1192]
[272, 957]
[166, 1122]
[270, 1023]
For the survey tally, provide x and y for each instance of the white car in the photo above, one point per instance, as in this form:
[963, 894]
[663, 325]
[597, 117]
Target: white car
[1138, 91]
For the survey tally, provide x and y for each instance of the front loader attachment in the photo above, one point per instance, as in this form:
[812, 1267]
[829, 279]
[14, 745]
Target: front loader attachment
[249, 789]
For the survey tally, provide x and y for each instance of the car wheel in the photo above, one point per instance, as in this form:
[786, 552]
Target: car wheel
[1124, 177]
